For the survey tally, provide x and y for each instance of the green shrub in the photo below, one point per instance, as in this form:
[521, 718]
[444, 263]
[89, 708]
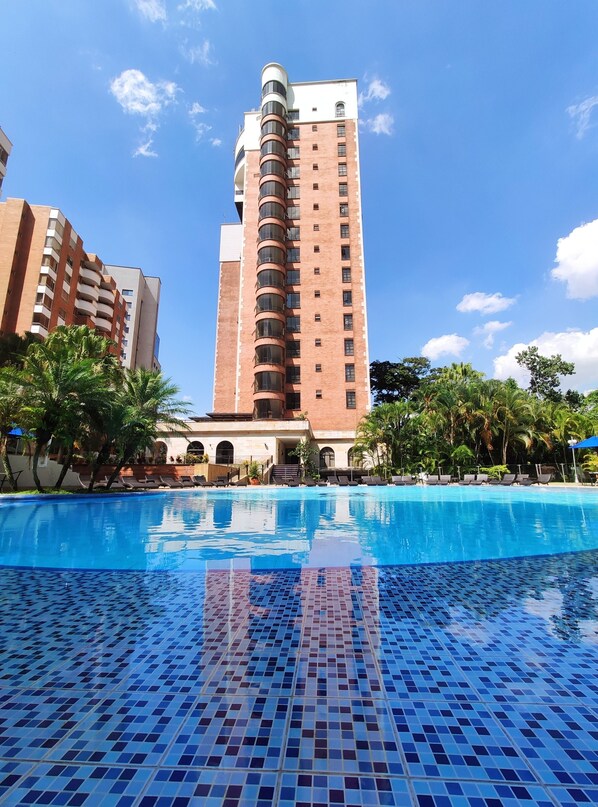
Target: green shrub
[495, 471]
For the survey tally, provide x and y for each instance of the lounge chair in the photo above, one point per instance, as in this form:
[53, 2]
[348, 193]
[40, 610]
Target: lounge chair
[116, 485]
[508, 479]
[481, 479]
[151, 481]
[444, 479]
[333, 479]
[314, 483]
[432, 480]
[396, 480]
[171, 482]
[378, 481]
[543, 479]
[293, 482]
[409, 480]
[186, 481]
[221, 482]
[4, 478]
[467, 479]
[344, 482]
[520, 479]
[201, 482]
[131, 483]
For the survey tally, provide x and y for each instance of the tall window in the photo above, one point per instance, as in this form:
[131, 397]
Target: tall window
[327, 458]
[293, 400]
[346, 270]
[293, 277]
[345, 253]
[293, 133]
[294, 325]
[196, 448]
[350, 398]
[293, 375]
[293, 349]
[293, 299]
[343, 189]
[349, 347]
[293, 192]
[339, 110]
[293, 233]
[293, 152]
[342, 169]
[293, 172]
[342, 150]
[343, 209]
[293, 254]
[293, 212]
[340, 129]
[347, 322]
[225, 453]
[348, 297]
[349, 372]
[344, 230]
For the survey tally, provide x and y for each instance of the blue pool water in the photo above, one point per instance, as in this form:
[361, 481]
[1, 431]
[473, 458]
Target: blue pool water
[330, 680]
[294, 528]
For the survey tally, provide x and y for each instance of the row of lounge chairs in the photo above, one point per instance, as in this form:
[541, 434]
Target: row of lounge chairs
[151, 482]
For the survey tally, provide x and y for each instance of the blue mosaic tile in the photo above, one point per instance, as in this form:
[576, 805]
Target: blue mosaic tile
[33, 721]
[11, 773]
[74, 785]
[433, 793]
[344, 735]
[210, 788]
[559, 743]
[457, 741]
[125, 729]
[574, 796]
[322, 790]
[235, 733]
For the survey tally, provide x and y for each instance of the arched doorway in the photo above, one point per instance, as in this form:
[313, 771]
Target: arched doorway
[326, 458]
[160, 451]
[225, 453]
[195, 448]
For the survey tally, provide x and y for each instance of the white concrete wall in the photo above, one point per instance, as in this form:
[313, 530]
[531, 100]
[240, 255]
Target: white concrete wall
[48, 474]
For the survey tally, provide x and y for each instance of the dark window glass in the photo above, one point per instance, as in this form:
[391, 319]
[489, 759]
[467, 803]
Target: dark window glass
[293, 172]
[343, 189]
[268, 408]
[293, 114]
[349, 347]
[349, 372]
[318, 342]
[347, 298]
[293, 375]
[293, 152]
[293, 133]
[348, 322]
[293, 212]
[340, 129]
[272, 210]
[270, 277]
[346, 274]
[293, 192]
[273, 147]
[293, 349]
[293, 277]
[345, 253]
[326, 458]
[270, 255]
[269, 354]
[344, 230]
[343, 209]
[339, 110]
[293, 233]
[351, 402]
[268, 381]
[293, 324]
[342, 150]
[269, 328]
[272, 167]
[269, 302]
[293, 400]
[268, 232]
[272, 188]
[293, 299]
[273, 108]
[273, 127]
[318, 368]
[274, 86]
[342, 170]
[293, 255]
[225, 453]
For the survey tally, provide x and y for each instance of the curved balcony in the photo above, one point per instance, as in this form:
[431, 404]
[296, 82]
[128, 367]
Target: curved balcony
[86, 292]
[85, 307]
[103, 324]
[104, 311]
[270, 329]
[268, 408]
[106, 296]
[268, 381]
[272, 210]
[270, 279]
[93, 276]
[272, 355]
[270, 303]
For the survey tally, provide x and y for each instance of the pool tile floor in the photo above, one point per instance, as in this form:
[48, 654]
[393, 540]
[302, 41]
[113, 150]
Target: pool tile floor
[471, 684]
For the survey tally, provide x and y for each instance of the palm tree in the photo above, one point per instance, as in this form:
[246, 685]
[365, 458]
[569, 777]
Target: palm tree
[145, 404]
[11, 400]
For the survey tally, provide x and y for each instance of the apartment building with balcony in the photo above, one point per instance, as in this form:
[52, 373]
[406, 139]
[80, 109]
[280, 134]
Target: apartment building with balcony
[140, 343]
[48, 279]
[5, 149]
[292, 323]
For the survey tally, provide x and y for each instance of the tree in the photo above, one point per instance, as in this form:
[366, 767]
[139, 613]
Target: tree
[144, 403]
[13, 348]
[544, 372]
[397, 381]
[11, 401]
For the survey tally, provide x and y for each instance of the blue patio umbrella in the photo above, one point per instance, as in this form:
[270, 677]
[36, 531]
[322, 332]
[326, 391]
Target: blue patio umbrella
[16, 432]
[589, 442]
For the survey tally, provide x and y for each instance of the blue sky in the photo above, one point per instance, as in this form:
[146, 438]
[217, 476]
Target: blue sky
[479, 150]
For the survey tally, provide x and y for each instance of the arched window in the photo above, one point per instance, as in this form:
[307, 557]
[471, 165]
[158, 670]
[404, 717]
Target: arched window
[196, 448]
[160, 451]
[225, 453]
[340, 110]
[352, 459]
[326, 458]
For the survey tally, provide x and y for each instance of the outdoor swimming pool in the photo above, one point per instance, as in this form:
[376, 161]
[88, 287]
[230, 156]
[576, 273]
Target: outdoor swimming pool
[296, 528]
[180, 674]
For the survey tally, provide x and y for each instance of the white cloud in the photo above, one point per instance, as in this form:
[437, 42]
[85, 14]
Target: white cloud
[137, 95]
[380, 124]
[198, 5]
[450, 344]
[484, 303]
[216, 141]
[145, 149]
[377, 91]
[201, 129]
[579, 347]
[198, 53]
[581, 114]
[489, 329]
[196, 109]
[153, 10]
[577, 259]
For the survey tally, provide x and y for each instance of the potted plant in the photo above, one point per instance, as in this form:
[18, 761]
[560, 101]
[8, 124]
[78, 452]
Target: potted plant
[253, 472]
